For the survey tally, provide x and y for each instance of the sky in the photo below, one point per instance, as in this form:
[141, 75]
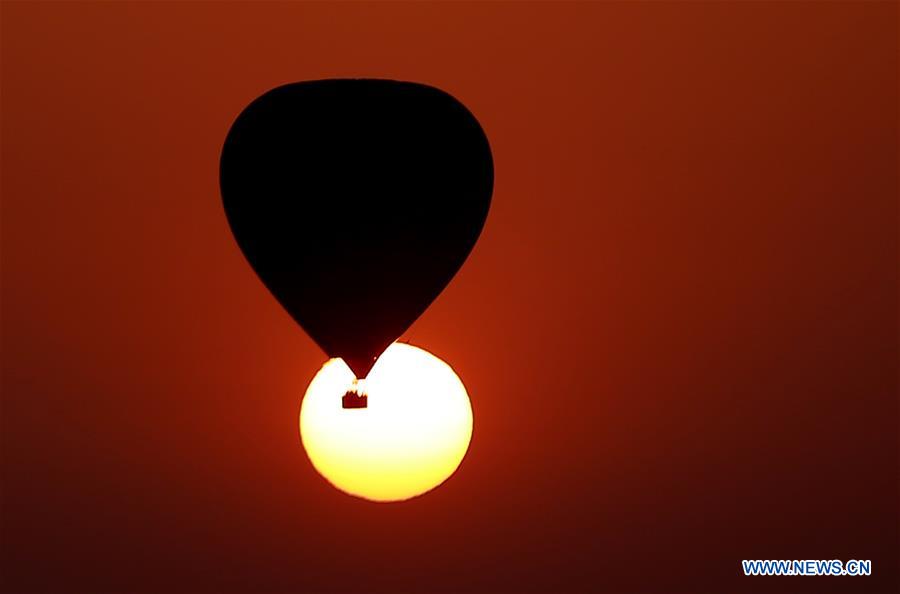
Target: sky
[678, 329]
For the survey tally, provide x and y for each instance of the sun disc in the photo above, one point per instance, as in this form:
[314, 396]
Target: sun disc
[411, 436]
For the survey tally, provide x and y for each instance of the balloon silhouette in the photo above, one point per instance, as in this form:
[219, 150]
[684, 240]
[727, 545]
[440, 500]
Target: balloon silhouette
[356, 201]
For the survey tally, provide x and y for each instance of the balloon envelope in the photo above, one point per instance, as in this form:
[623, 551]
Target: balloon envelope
[356, 201]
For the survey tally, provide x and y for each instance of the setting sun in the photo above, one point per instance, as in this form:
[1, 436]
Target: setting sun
[411, 436]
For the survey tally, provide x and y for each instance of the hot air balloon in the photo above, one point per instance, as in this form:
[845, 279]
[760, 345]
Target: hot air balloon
[356, 201]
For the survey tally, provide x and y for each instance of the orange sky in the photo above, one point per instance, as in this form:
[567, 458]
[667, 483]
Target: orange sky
[678, 329]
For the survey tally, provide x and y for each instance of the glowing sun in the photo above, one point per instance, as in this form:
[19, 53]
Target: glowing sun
[411, 436]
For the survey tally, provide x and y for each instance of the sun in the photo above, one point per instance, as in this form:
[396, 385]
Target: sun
[411, 436]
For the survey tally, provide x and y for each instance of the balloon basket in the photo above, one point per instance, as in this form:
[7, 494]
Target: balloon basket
[354, 400]
[355, 396]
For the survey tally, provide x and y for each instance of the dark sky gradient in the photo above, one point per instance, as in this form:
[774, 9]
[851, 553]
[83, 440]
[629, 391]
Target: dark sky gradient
[679, 328]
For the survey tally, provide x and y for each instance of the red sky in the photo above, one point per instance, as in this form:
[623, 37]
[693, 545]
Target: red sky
[679, 328]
